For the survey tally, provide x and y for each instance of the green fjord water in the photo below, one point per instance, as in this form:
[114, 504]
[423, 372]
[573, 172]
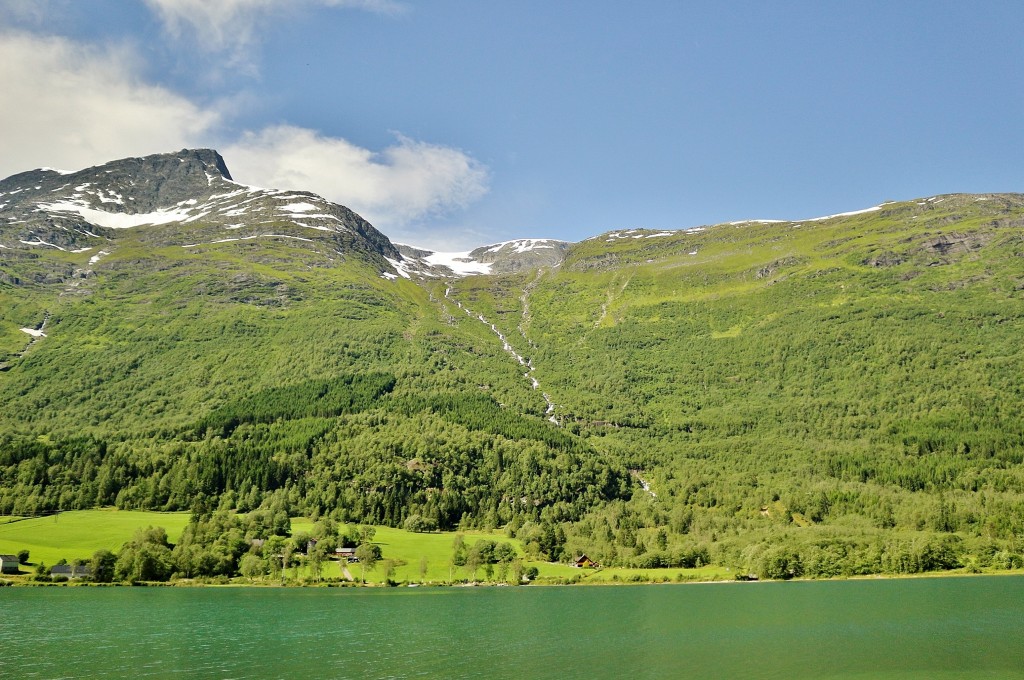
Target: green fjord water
[923, 628]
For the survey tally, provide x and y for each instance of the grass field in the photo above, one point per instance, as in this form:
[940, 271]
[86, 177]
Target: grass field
[80, 533]
[411, 548]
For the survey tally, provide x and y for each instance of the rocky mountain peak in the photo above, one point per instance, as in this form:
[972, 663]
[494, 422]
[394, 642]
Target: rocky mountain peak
[150, 181]
[191, 189]
[163, 179]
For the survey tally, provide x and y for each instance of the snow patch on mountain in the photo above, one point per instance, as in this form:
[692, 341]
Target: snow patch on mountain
[845, 214]
[637, 233]
[301, 207]
[461, 264]
[312, 212]
[96, 258]
[522, 245]
[41, 242]
[400, 267]
[114, 220]
[497, 258]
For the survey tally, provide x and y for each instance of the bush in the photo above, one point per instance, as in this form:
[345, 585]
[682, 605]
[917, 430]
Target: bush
[103, 563]
[780, 564]
[1007, 560]
[420, 524]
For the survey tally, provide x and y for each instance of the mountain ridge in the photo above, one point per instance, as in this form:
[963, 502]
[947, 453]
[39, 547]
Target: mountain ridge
[194, 186]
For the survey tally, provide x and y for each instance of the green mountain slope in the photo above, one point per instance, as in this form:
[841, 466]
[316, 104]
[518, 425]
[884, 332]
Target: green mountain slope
[838, 395]
[185, 369]
[793, 384]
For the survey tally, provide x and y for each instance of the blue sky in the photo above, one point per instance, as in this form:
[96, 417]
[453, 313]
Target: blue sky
[455, 123]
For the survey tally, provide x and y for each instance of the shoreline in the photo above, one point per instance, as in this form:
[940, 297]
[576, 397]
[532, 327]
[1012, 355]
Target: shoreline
[24, 581]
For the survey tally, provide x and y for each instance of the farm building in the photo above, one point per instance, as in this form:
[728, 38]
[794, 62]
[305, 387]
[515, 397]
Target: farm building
[8, 564]
[71, 571]
[584, 562]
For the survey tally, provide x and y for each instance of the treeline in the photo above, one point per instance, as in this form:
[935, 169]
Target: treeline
[312, 399]
[894, 555]
[371, 468]
[477, 411]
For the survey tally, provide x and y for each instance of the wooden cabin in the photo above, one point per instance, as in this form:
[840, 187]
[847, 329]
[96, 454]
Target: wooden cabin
[584, 562]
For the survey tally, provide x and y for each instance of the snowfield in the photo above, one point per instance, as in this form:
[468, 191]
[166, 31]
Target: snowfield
[460, 263]
[116, 220]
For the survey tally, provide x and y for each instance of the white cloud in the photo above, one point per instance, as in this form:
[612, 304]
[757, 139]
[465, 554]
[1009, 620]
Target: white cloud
[231, 25]
[69, 105]
[391, 189]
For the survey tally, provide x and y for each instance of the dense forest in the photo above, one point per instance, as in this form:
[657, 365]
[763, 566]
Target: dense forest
[823, 398]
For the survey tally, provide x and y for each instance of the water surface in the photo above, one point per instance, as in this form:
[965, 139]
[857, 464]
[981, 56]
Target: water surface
[920, 628]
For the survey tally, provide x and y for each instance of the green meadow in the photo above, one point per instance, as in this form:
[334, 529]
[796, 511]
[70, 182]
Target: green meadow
[79, 534]
[408, 549]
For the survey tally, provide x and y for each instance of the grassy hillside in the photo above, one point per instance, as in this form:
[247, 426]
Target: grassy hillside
[171, 377]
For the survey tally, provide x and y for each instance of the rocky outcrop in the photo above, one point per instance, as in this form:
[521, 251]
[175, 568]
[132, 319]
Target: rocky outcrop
[521, 255]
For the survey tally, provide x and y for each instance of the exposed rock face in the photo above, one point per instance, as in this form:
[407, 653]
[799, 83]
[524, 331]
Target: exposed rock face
[150, 182]
[884, 259]
[412, 251]
[191, 189]
[522, 254]
[956, 244]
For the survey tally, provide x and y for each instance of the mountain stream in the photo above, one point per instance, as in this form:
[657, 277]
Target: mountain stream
[505, 345]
